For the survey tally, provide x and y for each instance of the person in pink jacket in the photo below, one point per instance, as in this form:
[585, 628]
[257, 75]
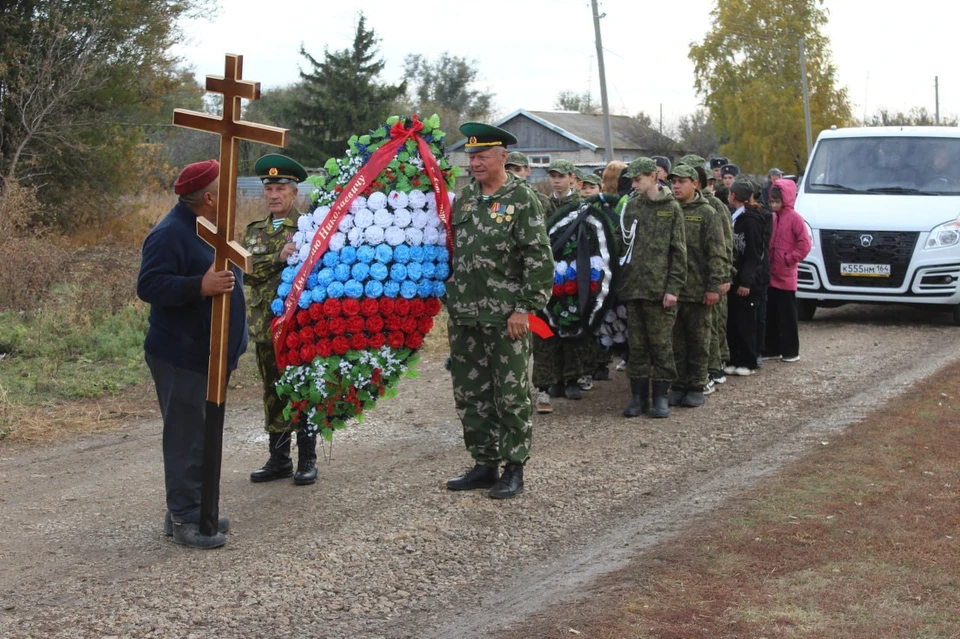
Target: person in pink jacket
[789, 243]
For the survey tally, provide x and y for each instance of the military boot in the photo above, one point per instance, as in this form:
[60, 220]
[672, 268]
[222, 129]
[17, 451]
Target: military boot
[279, 466]
[306, 460]
[675, 398]
[693, 399]
[510, 483]
[639, 398]
[660, 406]
[479, 476]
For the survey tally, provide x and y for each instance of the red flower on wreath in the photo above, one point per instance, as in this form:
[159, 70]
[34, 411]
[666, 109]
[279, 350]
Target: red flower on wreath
[376, 341]
[395, 339]
[338, 326]
[350, 306]
[594, 287]
[374, 324]
[414, 340]
[424, 324]
[324, 348]
[402, 307]
[293, 339]
[409, 325]
[433, 306]
[392, 323]
[340, 345]
[570, 287]
[369, 307]
[358, 342]
[307, 353]
[322, 327]
[355, 324]
[302, 317]
[316, 311]
[416, 307]
[558, 290]
[293, 358]
[387, 306]
[331, 308]
[307, 336]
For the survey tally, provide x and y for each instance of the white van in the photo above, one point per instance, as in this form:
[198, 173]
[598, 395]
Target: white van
[883, 208]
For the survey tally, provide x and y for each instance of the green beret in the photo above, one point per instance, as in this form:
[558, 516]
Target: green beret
[578, 172]
[561, 166]
[592, 178]
[516, 158]
[274, 168]
[743, 188]
[684, 171]
[640, 166]
[694, 161]
[481, 137]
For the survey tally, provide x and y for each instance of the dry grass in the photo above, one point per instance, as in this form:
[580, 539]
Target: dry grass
[858, 539]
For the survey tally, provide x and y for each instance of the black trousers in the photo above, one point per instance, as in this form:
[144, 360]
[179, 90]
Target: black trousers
[761, 301]
[183, 401]
[783, 334]
[742, 330]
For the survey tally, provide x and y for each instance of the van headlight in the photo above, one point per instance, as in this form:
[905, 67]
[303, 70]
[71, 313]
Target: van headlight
[944, 236]
[813, 241]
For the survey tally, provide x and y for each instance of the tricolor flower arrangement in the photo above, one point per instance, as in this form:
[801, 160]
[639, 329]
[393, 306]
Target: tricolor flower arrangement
[358, 297]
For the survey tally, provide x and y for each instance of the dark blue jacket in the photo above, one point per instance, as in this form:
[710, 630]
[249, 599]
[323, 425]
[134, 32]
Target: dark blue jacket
[174, 262]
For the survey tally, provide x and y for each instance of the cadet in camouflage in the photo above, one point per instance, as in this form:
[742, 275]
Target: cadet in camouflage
[562, 179]
[502, 272]
[519, 165]
[654, 271]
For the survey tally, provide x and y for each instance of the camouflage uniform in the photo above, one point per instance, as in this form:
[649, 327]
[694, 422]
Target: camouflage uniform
[719, 350]
[657, 266]
[502, 263]
[707, 268]
[557, 203]
[265, 243]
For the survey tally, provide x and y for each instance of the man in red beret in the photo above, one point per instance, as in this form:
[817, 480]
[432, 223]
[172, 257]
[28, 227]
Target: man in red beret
[178, 281]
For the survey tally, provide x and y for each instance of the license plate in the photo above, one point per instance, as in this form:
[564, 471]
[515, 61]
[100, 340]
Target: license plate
[865, 270]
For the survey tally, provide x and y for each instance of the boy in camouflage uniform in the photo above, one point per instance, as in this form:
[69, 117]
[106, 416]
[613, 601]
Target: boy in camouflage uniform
[707, 268]
[654, 269]
[502, 272]
[519, 165]
[562, 180]
[270, 240]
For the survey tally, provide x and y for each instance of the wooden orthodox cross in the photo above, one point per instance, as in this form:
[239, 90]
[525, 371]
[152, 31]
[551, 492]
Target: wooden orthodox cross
[231, 130]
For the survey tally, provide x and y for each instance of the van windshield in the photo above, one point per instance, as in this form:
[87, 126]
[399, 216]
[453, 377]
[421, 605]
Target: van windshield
[898, 165]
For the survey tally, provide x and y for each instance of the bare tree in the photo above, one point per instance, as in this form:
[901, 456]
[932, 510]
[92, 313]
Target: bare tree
[696, 134]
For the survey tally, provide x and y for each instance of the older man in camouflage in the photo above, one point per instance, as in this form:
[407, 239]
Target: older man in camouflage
[502, 272]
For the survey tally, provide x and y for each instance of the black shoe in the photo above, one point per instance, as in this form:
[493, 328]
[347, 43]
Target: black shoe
[306, 460]
[187, 534]
[479, 476]
[639, 398]
[223, 525]
[675, 398]
[660, 406]
[693, 399]
[279, 466]
[572, 390]
[510, 483]
[602, 374]
[555, 390]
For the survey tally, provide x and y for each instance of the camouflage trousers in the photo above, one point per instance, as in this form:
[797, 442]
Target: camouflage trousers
[692, 334]
[556, 360]
[650, 335]
[491, 391]
[272, 404]
[719, 349]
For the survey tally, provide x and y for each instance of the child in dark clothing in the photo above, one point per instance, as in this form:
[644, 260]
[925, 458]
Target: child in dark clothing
[749, 249]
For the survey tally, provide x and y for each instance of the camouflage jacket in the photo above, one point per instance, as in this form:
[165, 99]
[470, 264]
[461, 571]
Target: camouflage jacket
[557, 203]
[708, 264]
[546, 204]
[265, 243]
[502, 260]
[658, 264]
[726, 222]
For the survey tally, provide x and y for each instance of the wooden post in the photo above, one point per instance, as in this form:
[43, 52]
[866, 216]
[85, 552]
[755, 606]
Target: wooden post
[231, 130]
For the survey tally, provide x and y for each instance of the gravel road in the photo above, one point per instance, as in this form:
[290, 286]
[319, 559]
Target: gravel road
[378, 548]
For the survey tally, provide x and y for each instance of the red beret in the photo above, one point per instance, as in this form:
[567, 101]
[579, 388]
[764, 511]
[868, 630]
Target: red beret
[196, 176]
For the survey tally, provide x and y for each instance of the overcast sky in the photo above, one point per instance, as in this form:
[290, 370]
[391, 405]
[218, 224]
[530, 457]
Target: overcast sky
[887, 53]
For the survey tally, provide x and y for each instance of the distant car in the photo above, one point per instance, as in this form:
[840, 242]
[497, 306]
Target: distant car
[883, 208]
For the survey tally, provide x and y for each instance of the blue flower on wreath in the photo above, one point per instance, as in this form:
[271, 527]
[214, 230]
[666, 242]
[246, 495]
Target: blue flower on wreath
[401, 254]
[348, 255]
[429, 253]
[398, 272]
[414, 271]
[341, 272]
[425, 288]
[429, 270]
[276, 307]
[408, 290]
[391, 289]
[324, 277]
[318, 294]
[416, 254]
[305, 300]
[331, 259]
[439, 289]
[443, 255]
[289, 274]
[384, 253]
[571, 273]
[373, 289]
[283, 290]
[353, 289]
[335, 289]
[594, 275]
[379, 271]
[311, 281]
[360, 271]
[443, 270]
[366, 254]
[557, 279]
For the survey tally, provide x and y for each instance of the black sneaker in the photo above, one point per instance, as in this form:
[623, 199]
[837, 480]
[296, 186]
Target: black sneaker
[572, 390]
[479, 476]
[187, 534]
[223, 525]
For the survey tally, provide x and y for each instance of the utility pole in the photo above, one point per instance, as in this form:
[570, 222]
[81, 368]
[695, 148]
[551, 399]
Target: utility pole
[661, 119]
[806, 95]
[936, 91]
[607, 135]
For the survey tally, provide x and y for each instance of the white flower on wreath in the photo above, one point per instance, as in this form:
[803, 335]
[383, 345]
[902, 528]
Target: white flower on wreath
[414, 236]
[383, 218]
[420, 218]
[373, 235]
[376, 201]
[355, 236]
[337, 240]
[394, 236]
[363, 219]
[321, 214]
[560, 267]
[433, 220]
[302, 255]
[431, 201]
[303, 223]
[416, 200]
[431, 235]
[596, 262]
[298, 237]
[347, 222]
[397, 199]
[358, 204]
[402, 218]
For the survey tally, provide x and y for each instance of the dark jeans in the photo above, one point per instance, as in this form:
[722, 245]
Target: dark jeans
[742, 330]
[183, 397]
[783, 336]
[761, 301]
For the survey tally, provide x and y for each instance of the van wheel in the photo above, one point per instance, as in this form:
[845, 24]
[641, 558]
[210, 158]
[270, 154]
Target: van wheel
[956, 315]
[807, 308]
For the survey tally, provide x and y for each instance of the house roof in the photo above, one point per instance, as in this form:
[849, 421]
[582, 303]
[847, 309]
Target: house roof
[585, 129]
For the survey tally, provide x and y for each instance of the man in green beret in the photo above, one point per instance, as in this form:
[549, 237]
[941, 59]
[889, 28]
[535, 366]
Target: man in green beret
[270, 240]
[502, 271]
[519, 165]
[562, 180]
[590, 185]
[653, 272]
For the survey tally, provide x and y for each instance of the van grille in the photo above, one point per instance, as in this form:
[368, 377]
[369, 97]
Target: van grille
[885, 247]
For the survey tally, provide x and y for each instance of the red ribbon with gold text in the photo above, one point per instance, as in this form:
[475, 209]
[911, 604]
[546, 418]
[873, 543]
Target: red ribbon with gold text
[367, 173]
